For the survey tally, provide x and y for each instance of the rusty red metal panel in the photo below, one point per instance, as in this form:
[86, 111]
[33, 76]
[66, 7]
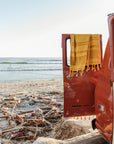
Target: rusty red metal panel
[103, 92]
[78, 91]
[103, 97]
[111, 40]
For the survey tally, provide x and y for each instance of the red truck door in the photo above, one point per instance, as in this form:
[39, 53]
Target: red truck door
[104, 93]
[78, 91]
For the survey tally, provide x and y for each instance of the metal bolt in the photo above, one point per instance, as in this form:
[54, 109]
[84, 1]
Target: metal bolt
[67, 77]
[68, 86]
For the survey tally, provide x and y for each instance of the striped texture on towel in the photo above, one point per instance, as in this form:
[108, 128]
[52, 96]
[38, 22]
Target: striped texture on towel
[85, 51]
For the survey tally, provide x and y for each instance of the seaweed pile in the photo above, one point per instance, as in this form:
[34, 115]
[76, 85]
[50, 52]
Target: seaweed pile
[25, 117]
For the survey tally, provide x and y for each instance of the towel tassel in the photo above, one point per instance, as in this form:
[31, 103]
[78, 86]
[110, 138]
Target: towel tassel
[76, 74]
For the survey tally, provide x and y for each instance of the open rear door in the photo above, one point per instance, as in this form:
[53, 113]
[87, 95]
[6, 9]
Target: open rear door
[111, 39]
[78, 91]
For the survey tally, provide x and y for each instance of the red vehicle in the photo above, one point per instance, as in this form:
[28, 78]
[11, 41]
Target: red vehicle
[92, 93]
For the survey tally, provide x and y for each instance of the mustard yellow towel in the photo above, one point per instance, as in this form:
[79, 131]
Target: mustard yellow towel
[85, 51]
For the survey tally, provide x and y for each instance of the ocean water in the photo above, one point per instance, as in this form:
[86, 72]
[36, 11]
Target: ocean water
[30, 69]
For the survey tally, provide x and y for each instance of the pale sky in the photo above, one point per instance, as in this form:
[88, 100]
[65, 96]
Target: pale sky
[33, 28]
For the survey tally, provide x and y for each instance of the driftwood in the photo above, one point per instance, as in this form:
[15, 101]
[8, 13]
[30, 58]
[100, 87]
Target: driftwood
[53, 115]
[55, 92]
[19, 93]
[41, 101]
[28, 124]
[24, 112]
[12, 129]
[91, 138]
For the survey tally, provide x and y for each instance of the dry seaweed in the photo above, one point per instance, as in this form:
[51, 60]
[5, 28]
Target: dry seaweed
[29, 116]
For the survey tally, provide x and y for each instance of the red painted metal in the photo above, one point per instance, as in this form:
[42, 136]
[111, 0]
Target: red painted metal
[111, 39]
[103, 92]
[78, 91]
[103, 96]
[92, 93]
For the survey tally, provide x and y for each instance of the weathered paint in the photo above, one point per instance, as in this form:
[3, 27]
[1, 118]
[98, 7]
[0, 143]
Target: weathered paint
[78, 91]
[103, 95]
[92, 93]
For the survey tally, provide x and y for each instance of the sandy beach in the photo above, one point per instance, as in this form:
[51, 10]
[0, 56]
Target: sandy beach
[29, 109]
[31, 87]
